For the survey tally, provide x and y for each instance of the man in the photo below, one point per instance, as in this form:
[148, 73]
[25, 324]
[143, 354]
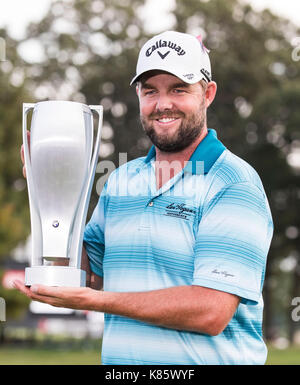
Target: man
[180, 237]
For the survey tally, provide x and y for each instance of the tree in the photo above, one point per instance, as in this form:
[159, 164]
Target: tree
[14, 213]
[13, 206]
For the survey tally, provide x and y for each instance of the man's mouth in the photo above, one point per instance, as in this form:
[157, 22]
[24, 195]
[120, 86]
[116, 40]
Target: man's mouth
[166, 120]
[166, 116]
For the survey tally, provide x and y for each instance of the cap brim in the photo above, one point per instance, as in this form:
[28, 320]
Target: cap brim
[135, 79]
[196, 79]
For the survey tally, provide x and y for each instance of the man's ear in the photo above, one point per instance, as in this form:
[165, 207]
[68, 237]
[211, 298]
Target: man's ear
[210, 93]
[137, 89]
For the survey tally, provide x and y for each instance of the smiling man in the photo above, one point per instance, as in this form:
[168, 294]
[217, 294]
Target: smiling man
[180, 237]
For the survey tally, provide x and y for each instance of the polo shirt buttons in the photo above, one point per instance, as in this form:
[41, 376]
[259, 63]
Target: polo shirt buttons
[151, 204]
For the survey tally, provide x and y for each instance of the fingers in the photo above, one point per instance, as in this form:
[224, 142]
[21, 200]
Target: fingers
[69, 297]
[24, 172]
[21, 287]
[23, 160]
[22, 153]
[37, 289]
[35, 293]
[46, 291]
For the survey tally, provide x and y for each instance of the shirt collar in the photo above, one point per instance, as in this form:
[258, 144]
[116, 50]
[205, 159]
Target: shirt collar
[204, 156]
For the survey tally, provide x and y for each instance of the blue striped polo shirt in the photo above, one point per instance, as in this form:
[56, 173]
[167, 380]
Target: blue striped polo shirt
[211, 226]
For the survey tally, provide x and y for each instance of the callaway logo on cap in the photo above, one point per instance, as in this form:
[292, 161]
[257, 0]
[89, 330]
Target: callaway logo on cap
[180, 54]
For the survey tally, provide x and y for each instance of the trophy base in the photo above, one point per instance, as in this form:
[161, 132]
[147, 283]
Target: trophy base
[62, 276]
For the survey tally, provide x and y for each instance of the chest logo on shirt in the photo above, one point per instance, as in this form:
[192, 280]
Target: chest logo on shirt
[180, 211]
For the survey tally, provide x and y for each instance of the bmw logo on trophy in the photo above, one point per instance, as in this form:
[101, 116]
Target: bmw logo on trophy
[60, 167]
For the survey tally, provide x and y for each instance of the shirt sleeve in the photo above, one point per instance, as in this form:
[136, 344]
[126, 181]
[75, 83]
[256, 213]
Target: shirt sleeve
[232, 242]
[93, 238]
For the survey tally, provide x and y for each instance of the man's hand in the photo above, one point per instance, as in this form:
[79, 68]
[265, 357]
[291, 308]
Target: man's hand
[80, 298]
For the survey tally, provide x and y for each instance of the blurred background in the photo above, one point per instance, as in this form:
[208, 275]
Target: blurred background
[86, 51]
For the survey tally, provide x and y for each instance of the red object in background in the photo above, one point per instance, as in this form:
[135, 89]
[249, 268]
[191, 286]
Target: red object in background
[9, 277]
[42, 325]
[202, 44]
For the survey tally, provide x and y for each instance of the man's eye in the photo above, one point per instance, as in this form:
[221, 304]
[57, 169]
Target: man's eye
[149, 92]
[178, 90]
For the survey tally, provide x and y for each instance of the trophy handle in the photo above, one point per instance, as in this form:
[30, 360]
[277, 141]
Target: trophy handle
[79, 223]
[36, 227]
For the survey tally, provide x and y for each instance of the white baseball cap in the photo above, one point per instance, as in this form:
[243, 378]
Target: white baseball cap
[178, 53]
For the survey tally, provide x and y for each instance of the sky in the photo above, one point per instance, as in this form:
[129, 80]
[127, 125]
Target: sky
[16, 14]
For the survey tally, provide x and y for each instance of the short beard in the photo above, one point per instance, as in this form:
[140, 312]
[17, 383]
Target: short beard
[186, 134]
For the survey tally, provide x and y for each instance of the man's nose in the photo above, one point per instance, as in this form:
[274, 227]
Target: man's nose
[164, 102]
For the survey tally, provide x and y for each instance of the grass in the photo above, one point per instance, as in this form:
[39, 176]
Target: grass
[289, 356]
[91, 356]
[36, 356]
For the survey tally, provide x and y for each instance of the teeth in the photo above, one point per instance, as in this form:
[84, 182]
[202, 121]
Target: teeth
[166, 120]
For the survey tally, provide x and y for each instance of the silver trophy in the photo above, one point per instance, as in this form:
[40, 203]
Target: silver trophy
[60, 167]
